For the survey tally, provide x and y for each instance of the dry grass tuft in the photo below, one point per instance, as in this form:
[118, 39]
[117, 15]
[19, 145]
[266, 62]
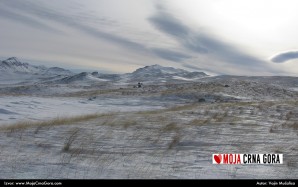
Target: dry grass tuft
[180, 108]
[70, 139]
[273, 129]
[289, 115]
[292, 164]
[53, 122]
[198, 122]
[128, 123]
[170, 127]
[175, 140]
[293, 125]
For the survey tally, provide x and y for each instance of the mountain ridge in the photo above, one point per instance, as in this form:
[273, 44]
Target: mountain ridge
[161, 73]
[152, 73]
[14, 65]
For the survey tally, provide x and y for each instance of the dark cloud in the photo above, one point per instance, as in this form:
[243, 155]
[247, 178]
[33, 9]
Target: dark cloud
[126, 43]
[170, 25]
[175, 28]
[38, 15]
[40, 11]
[283, 57]
[204, 44]
[23, 19]
[170, 55]
[195, 68]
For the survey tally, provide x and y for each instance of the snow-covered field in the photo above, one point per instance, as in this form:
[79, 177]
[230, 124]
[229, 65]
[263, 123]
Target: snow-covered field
[91, 125]
[169, 143]
[25, 108]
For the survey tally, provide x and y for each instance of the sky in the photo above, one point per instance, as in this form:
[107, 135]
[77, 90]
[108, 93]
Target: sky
[248, 37]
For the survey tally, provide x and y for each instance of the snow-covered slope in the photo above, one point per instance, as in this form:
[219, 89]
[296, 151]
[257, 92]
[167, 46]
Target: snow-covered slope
[160, 73]
[157, 69]
[81, 77]
[13, 65]
[12, 68]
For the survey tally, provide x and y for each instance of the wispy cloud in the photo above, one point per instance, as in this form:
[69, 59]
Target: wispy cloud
[173, 27]
[203, 44]
[286, 56]
[121, 39]
[23, 19]
[36, 10]
[170, 55]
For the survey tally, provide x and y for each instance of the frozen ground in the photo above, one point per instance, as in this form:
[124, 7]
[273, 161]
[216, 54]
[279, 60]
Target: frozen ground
[24, 108]
[80, 128]
[169, 143]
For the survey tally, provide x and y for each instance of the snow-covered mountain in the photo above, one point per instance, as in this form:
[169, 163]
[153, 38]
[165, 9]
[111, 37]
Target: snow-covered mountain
[160, 73]
[158, 70]
[81, 77]
[13, 65]
[154, 73]
[12, 68]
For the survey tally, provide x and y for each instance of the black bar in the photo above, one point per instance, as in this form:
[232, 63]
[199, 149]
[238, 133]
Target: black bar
[196, 183]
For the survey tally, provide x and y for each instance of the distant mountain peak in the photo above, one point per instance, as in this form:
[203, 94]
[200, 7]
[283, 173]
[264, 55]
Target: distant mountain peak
[13, 61]
[14, 65]
[154, 69]
[154, 66]
[158, 72]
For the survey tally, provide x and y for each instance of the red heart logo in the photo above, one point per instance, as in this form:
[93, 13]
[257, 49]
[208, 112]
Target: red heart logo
[217, 158]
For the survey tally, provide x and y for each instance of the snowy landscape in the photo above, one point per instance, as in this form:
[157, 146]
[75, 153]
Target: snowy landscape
[155, 122]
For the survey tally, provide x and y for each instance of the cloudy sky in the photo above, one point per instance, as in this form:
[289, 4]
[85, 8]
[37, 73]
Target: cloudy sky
[248, 37]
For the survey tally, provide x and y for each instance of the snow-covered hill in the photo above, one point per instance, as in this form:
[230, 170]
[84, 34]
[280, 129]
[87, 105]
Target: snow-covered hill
[14, 65]
[160, 73]
[12, 68]
[154, 73]
[81, 77]
[158, 70]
